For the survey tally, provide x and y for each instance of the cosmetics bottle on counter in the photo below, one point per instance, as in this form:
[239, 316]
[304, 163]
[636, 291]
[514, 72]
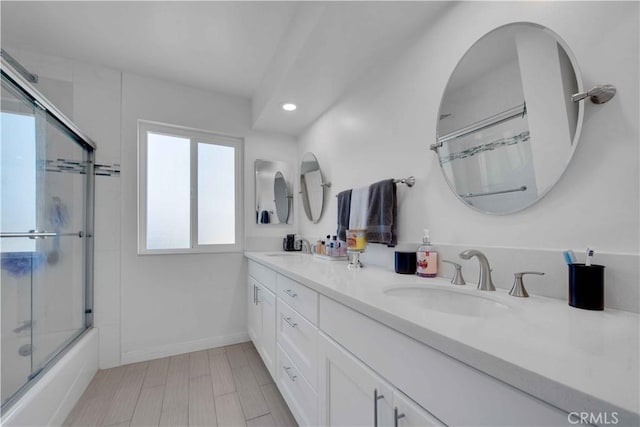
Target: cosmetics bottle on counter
[426, 258]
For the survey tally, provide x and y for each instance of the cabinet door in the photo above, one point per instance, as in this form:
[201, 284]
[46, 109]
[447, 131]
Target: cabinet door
[349, 393]
[252, 313]
[267, 311]
[407, 413]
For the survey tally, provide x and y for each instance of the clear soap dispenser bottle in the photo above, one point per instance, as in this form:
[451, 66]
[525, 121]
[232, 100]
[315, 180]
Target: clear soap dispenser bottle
[426, 258]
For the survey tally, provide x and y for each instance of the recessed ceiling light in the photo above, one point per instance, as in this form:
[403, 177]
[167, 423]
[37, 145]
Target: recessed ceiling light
[289, 106]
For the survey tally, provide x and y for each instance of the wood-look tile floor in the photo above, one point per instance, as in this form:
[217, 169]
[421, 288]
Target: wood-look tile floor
[224, 386]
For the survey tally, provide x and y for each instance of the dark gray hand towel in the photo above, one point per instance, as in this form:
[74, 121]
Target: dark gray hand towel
[383, 210]
[344, 210]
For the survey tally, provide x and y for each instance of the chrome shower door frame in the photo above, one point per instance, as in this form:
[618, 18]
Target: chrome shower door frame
[17, 79]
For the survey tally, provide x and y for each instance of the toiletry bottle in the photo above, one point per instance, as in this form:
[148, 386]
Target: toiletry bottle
[426, 258]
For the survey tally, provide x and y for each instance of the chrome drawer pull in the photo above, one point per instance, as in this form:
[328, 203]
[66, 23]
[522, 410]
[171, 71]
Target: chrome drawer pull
[376, 397]
[291, 376]
[397, 416]
[288, 320]
[290, 293]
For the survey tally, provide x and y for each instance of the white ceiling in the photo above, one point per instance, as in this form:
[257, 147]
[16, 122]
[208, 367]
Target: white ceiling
[220, 46]
[307, 52]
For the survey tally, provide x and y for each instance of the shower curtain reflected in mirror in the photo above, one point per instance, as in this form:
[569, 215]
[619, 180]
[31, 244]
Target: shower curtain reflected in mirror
[45, 184]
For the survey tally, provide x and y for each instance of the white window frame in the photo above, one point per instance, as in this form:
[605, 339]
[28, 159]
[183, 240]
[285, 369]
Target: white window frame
[195, 136]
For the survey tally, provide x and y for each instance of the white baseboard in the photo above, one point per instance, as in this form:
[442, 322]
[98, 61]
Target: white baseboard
[181, 348]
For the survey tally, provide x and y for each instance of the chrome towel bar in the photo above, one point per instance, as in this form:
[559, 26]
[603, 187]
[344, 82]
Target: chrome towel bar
[410, 181]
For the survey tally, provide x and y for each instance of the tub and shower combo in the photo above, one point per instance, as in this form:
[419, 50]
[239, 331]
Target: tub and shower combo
[48, 347]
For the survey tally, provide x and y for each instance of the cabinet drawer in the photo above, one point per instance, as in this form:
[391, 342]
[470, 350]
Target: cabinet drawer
[434, 380]
[262, 274]
[299, 339]
[296, 391]
[301, 298]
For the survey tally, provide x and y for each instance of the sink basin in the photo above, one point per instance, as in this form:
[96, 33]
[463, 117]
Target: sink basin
[448, 301]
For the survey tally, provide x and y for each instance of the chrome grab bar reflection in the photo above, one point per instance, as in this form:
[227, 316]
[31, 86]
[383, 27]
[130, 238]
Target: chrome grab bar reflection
[33, 234]
[489, 193]
[511, 113]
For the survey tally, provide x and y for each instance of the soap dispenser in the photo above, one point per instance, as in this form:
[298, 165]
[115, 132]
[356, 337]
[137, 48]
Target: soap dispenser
[426, 258]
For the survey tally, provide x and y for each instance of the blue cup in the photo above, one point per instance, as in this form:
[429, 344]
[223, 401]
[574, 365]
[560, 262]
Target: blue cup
[405, 262]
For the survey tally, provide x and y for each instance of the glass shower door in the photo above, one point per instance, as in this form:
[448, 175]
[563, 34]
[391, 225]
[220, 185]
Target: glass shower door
[19, 255]
[43, 220]
[58, 287]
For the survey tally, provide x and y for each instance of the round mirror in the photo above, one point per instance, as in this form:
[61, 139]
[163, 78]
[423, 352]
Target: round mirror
[281, 194]
[312, 187]
[507, 126]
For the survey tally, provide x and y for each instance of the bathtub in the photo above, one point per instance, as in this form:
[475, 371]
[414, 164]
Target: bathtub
[50, 399]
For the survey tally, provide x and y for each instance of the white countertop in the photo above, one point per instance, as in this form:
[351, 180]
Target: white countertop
[577, 360]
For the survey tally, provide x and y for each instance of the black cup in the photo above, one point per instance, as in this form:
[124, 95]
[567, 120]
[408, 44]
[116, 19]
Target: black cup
[405, 262]
[586, 286]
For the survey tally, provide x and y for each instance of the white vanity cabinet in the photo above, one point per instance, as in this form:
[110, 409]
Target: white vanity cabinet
[351, 394]
[338, 367]
[452, 391]
[262, 313]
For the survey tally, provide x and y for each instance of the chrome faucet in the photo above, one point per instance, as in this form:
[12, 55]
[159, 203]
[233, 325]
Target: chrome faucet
[484, 281]
[306, 246]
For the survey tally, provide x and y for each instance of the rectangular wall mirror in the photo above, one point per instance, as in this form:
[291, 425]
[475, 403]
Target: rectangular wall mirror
[274, 192]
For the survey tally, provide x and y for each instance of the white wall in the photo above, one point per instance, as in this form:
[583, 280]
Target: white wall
[383, 128]
[176, 303]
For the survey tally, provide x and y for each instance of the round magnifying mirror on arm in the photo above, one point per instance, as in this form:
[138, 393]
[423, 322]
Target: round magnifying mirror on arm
[282, 197]
[312, 187]
[507, 125]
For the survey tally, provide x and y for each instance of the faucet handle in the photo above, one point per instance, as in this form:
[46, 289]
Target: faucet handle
[457, 278]
[518, 290]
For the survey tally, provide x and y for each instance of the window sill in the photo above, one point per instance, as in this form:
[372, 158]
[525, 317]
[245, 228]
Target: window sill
[227, 249]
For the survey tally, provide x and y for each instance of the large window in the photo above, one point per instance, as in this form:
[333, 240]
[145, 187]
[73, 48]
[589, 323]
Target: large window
[189, 190]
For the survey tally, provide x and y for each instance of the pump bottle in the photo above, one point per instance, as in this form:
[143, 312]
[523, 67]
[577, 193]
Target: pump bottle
[426, 258]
